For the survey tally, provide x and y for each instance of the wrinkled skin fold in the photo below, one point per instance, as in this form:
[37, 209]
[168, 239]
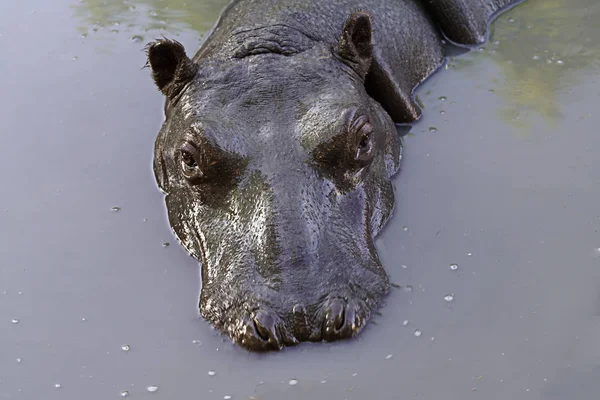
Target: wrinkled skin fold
[278, 148]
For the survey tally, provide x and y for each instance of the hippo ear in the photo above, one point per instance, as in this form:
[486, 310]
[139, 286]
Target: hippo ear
[355, 46]
[171, 67]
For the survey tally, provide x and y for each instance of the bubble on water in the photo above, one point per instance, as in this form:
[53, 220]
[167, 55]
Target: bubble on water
[116, 209]
[511, 20]
[404, 266]
[57, 385]
[212, 373]
[408, 288]
[83, 319]
[75, 58]
[197, 342]
[469, 254]
[137, 38]
[405, 228]
[418, 333]
[14, 321]
[560, 62]
[166, 244]
[126, 347]
[449, 298]
[389, 356]
[124, 393]
[323, 381]
[453, 267]
[152, 388]
[432, 129]
[19, 361]
[442, 98]
[20, 293]
[536, 57]
[293, 382]
[442, 112]
[405, 322]
[227, 397]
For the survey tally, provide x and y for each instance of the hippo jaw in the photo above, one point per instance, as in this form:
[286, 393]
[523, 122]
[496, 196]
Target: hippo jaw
[277, 176]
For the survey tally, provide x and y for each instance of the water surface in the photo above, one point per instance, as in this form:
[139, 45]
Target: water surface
[501, 178]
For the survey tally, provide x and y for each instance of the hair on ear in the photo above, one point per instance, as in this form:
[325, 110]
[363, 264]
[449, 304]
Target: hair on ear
[171, 67]
[355, 46]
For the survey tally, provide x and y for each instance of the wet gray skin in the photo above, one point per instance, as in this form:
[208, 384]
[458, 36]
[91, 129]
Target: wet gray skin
[278, 148]
[507, 188]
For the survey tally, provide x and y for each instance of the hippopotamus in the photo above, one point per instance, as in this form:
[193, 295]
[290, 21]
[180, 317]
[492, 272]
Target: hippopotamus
[279, 142]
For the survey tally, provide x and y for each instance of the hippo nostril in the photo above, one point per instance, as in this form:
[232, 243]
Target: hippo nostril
[261, 331]
[339, 319]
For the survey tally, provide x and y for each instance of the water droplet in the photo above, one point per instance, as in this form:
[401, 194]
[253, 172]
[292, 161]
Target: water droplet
[418, 333]
[116, 209]
[293, 382]
[197, 342]
[449, 298]
[442, 112]
[536, 57]
[57, 385]
[453, 267]
[404, 266]
[469, 254]
[408, 288]
[75, 58]
[83, 319]
[442, 98]
[124, 393]
[19, 361]
[15, 321]
[227, 397]
[432, 129]
[323, 381]
[152, 388]
[405, 322]
[137, 38]
[511, 20]
[211, 373]
[389, 356]
[355, 374]
[405, 228]
[126, 347]
[560, 62]
[166, 244]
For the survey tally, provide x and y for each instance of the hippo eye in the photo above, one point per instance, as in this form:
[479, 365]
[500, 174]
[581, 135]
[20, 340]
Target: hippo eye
[363, 132]
[188, 156]
[188, 159]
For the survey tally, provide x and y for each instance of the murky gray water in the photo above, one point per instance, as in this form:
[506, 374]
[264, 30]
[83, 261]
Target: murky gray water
[507, 186]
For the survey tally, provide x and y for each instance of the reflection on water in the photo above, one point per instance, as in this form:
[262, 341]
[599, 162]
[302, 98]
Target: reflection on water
[139, 17]
[538, 47]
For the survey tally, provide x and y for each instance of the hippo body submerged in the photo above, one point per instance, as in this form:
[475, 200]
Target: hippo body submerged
[278, 148]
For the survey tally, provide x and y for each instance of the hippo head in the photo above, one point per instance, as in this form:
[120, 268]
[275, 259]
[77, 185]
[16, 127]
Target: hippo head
[276, 169]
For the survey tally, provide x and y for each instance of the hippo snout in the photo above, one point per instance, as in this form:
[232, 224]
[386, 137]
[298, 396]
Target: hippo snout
[270, 316]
